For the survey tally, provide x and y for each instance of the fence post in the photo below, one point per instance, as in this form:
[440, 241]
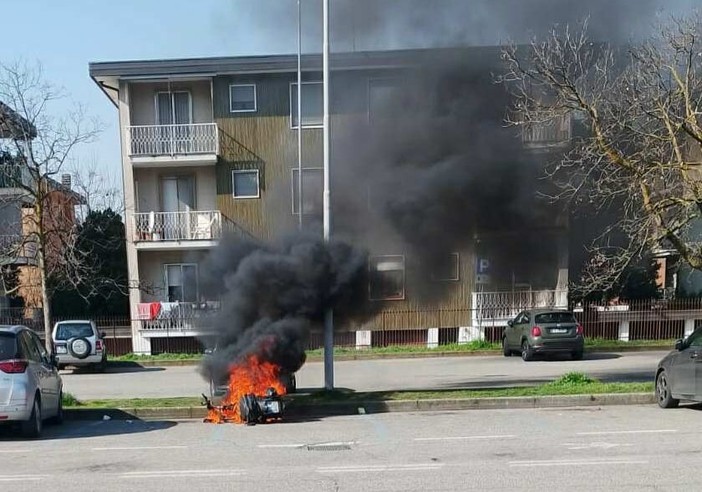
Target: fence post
[624, 331]
[689, 327]
[432, 338]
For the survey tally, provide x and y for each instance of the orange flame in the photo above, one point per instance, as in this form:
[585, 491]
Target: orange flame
[252, 376]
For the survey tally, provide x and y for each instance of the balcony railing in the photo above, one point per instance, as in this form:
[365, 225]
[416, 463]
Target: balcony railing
[14, 176]
[178, 226]
[160, 140]
[176, 316]
[554, 132]
[501, 306]
[14, 247]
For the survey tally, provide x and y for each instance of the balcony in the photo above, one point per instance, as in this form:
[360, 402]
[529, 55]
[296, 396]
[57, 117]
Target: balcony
[547, 134]
[191, 144]
[166, 230]
[17, 250]
[496, 308]
[178, 318]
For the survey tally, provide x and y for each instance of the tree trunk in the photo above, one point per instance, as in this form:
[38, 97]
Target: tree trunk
[46, 307]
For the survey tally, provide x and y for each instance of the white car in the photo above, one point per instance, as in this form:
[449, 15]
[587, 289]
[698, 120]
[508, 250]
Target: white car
[78, 343]
[31, 389]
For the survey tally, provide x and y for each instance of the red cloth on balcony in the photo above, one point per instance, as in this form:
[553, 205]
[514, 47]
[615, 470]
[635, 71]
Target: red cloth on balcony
[154, 310]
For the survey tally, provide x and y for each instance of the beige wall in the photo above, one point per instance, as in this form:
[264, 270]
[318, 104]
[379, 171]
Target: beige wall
[152, 270]
[143, 105]
[148, 185]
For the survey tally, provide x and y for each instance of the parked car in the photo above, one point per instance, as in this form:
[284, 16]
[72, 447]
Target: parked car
[218, 389]
[31, 389]
[679, 374]
[541, 331]
[78, 343]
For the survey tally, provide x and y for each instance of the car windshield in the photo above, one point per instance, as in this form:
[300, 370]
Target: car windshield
[8, 346]
[555, 318]
[73, 330]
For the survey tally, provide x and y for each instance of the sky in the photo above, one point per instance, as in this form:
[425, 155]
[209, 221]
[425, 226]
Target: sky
[64, 36]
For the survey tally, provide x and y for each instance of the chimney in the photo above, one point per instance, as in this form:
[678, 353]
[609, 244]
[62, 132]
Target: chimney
[66, 181]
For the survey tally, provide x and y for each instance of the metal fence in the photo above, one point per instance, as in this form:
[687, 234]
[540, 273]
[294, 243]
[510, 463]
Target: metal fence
[635, 320]
[186, 139]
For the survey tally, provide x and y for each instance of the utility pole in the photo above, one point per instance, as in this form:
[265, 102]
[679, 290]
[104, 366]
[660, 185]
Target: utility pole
[329, 314]
[299, 113]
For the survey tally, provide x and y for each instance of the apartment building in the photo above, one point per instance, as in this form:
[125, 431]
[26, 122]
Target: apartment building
[209, 146]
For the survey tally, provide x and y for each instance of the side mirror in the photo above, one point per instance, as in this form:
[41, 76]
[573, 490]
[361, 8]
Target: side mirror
[103, 335]
[679, 345]
[510, 322]
[209, 351]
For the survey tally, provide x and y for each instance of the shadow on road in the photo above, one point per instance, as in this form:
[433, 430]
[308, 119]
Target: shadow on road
[84, 429]
[113, 369]
[586, 357]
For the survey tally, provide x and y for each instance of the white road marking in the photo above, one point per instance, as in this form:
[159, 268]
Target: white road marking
[182, 473]
[379, 468]
[642, 431]
[596, 445]
[22, 478]
[137, 448]
[269, 446]
[463, 438]
[575, 462]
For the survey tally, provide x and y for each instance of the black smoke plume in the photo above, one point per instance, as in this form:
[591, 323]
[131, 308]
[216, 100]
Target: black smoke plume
[273, 295]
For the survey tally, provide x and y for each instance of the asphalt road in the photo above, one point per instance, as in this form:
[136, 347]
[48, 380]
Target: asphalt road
[634, 448]
[375, 375]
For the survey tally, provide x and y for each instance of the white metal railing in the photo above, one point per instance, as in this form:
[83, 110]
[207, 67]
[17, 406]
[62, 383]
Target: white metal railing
[176, 316]
[177, 226]
[551, 132]
[155, 140]
[501, 306]
[15, 246]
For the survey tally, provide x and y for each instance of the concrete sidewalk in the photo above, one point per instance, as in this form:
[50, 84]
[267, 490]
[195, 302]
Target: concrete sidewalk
[295, 411]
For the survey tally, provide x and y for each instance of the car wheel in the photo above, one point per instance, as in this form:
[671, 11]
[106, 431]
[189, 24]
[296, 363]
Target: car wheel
[100, 366]
[32, 428]
[577, 355]
[663, 395]
[58, 418]
[527, 352]
[505, 348]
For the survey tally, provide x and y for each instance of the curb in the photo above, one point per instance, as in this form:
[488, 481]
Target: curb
[362, 356]
[365, 407]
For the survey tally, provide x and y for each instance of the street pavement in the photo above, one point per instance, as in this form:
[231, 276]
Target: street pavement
[632, 448]
[374, 375]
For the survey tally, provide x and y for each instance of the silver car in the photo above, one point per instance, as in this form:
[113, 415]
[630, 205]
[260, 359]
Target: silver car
[30, 385]
[78, 343]
[679, 374]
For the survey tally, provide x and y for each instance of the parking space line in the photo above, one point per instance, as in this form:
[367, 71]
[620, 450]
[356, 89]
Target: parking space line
[380, 468]
[575, 462]
[22, 478]
[464, 438]
[641, 431]
[182, 473]
[138, 448]
[273, 446]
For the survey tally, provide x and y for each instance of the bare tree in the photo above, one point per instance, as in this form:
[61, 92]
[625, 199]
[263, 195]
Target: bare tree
[637, 144]
[37, 147]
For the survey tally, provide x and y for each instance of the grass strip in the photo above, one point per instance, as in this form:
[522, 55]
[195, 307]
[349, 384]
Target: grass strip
[573, 383]
[476, 346]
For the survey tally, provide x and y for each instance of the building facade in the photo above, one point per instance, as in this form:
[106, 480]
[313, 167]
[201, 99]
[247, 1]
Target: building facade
[209, 147]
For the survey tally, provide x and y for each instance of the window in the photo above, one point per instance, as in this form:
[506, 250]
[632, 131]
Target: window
[8, 346]
[65, 331]
[446, 268]
[312, 105]
[245, 183]
[312, 189]
[173, 108]
[383, 99]
[556, 317]
[181, 282]
[242, 98]
[387, 278]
